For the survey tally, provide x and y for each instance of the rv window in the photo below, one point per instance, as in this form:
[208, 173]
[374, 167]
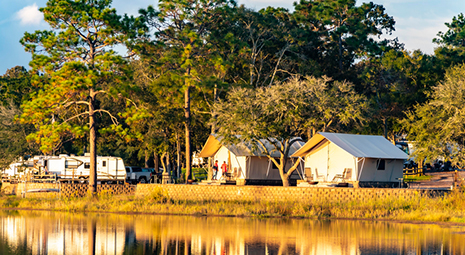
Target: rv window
[381, 164]
[104, 163]
[87, 165]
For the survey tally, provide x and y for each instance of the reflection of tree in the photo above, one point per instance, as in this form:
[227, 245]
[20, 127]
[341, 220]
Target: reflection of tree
[92, 232]
[145, 234]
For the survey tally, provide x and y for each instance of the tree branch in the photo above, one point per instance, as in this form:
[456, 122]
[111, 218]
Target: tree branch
[265, 150]
[75, 102]
[113, 118]
[76, 116]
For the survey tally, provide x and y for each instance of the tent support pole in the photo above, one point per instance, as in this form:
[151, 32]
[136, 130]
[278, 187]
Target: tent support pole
[361, 169]
[239, 164]
[248, 170]
[268, 170]
[301, 177]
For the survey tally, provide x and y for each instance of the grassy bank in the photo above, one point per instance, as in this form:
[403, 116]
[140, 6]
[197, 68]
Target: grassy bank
[450, 208]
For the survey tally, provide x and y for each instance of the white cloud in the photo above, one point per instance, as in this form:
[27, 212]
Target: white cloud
[418, 33]
[30, 15]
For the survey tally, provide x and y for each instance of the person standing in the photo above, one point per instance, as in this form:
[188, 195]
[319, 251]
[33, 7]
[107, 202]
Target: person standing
[215, 169]
[224, 168]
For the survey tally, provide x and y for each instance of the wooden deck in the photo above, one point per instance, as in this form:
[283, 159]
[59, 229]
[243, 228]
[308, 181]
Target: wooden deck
[218, 182]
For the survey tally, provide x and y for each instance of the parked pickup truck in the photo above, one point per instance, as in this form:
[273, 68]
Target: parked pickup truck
[156, 175]
[135, 174]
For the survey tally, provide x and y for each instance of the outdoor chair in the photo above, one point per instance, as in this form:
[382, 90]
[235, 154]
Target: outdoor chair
[319, 176]
[226, 176]
[308, 176]
[346, 175]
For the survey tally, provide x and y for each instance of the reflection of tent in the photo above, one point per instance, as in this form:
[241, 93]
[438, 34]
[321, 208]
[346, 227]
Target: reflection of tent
[248, 165]
[371, 159]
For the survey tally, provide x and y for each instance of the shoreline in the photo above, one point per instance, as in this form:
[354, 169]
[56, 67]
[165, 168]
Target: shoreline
[448, 209]
[440, 223]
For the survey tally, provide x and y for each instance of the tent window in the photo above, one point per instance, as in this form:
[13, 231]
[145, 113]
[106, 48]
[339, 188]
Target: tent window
[381, 164]
[273, 166]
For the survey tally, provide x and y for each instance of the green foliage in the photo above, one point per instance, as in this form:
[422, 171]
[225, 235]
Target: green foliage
[283, 111]
[345, 31]
[279, 113]
[199, 51]
[451, 50]
[395, 83]
[437, 127]
[455, 36]
[13, 143]
[181, 69]
[15, 88]
[80, 69]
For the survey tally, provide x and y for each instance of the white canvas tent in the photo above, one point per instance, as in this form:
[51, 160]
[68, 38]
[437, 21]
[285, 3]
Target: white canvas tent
[369, 159]
[246, 164]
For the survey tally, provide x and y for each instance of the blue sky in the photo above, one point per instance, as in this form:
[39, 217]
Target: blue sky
[417, 21]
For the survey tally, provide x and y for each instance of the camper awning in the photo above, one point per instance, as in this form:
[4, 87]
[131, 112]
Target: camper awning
[360, 146]
[213, 144]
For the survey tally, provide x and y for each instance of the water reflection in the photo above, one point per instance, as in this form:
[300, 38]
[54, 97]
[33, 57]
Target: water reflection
[24, 232]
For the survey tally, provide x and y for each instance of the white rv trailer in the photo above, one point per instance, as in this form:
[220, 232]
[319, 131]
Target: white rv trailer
[78, 167]
[17, 169]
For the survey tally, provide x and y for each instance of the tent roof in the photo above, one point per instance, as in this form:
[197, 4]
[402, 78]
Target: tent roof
[213, 144]
[360, 146]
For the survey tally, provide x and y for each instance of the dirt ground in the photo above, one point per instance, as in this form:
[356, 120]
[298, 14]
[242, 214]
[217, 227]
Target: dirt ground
[440, 180]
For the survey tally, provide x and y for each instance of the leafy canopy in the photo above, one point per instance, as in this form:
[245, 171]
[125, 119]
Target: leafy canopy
[437, 127]
[77, 63]
[282, 112]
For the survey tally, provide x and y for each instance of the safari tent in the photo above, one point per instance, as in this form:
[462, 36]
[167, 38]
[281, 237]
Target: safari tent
[367, 160]
[247, 165]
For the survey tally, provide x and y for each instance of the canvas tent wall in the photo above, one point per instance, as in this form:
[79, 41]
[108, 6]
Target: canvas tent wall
[245, 162]
[372, 159]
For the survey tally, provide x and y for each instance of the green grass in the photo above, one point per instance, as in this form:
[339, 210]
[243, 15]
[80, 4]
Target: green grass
[198, 174]
[414, 178]
[449, 208]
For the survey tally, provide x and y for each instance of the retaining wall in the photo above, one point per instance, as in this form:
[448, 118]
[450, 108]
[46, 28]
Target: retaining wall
[67, 189]
[225, 192]
[267, 193]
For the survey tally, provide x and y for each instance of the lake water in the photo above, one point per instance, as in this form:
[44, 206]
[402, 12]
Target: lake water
[26, 232]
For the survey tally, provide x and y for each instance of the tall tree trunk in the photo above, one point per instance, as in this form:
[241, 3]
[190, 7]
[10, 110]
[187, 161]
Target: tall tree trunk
[187, 115]
[156, 161]
[147, 157]
[168, 163]
[340, 54]
[214, 116]
[385, 126]
[163, 164]
[178, 156]
[311, 132]
[92, 189]
[210, 170]
[285, 181]
[213, 131]
[282, 168]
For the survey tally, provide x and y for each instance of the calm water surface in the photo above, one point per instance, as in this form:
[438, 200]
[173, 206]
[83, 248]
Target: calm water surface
[25, 232]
